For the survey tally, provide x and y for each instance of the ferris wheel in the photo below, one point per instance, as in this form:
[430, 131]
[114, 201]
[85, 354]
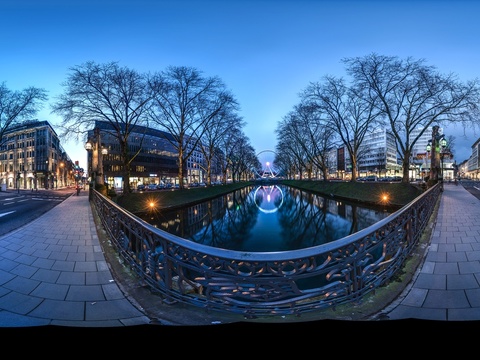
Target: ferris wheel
[268, 169]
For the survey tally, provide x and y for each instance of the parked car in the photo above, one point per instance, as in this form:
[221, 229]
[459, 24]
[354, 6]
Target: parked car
[152, 187]
[140, 187]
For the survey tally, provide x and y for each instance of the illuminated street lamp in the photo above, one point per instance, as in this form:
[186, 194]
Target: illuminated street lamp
[438, 149]
[96, 152]
[429, 148]
[443, 151]
[46, 174]
[62, 174]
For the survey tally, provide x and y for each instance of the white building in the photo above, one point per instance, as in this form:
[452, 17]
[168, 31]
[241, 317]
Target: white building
[378, 154]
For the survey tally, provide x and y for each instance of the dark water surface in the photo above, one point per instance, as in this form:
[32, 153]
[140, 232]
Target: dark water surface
[267, 218]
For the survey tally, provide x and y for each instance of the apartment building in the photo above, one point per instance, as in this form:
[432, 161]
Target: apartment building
[32, 157]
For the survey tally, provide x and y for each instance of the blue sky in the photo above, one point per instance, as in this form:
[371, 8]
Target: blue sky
[265, 51]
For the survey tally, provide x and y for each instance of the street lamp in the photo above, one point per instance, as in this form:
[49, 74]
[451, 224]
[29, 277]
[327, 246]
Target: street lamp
[429, 148]
[62, 174]
[433, 146]
[18, 181]
[96, 152]
[35, 178]
[438, 148]
[46, 175]
[443, 151]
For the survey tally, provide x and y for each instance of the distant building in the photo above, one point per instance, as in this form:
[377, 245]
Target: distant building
[156, 162]
[376, 156]
[31, 157]
[473, 163]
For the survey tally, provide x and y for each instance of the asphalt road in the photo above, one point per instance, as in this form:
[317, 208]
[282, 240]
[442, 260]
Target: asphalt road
[473, 187]
[18, 208]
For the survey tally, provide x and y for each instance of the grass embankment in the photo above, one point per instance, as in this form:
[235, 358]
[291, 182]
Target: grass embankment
[137, 202]
[398, 194]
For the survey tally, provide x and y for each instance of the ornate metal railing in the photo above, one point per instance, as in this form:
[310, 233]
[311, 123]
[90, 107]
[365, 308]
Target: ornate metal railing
[262, 283]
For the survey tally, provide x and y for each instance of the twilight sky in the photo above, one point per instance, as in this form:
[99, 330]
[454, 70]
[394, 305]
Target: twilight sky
[265, 51]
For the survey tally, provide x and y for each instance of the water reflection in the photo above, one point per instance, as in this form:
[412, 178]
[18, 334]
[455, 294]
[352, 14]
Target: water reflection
[267, 218]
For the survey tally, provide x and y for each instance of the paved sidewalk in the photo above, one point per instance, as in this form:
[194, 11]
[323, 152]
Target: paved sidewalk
[53, 272]
[447, 285]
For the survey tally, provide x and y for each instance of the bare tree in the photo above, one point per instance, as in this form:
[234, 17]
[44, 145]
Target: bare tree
[284, 162]
[226, 148]
[413, 96]
[315, 135]
[16, 106]
[215, 132]
[290, 139]
[185, 104]
[346, 111]
[241, 158]
[104, 92]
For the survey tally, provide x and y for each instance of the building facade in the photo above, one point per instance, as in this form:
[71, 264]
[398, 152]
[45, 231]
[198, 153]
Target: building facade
[32, 157]
[377, 156]
[156, 162]
[473, 163]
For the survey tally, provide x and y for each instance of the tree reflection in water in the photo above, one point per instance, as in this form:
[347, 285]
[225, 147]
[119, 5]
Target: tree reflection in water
[267, 218]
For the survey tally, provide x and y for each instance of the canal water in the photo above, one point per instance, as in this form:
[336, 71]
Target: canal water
[267, 218]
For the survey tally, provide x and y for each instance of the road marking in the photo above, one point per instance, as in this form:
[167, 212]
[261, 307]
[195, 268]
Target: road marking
[6, 213]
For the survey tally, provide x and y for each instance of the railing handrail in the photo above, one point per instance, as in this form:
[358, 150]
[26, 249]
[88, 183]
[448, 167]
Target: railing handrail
[270, 283]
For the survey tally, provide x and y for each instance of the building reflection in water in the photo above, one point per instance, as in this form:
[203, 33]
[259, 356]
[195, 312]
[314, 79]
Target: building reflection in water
[267, 218]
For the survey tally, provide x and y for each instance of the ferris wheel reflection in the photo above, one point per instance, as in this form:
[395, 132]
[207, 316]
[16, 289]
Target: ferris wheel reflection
[268, 199]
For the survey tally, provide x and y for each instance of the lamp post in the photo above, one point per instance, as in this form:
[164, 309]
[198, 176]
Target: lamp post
[35, 178]
[443, 151]
[429, 148]
[438, 148]
[62, 174]
[89, 146]
[96, 152]
[432, 145]
[46, 175]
